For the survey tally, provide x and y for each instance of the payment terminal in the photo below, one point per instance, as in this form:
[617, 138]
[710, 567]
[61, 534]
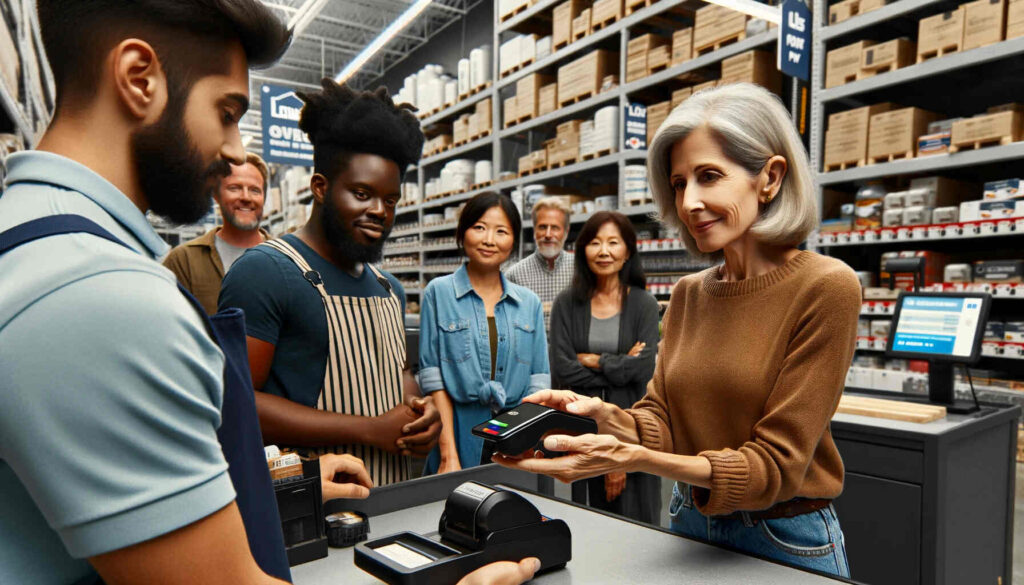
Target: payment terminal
[524, 427]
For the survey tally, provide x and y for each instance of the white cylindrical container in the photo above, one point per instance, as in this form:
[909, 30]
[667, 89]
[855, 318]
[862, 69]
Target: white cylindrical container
[465, 76]
[482, 172]
[451, 92]
[635, 184]
[435, 93]
[543, 47]
[606, 202]
[410, 89]
[480, 66]
[606, 129]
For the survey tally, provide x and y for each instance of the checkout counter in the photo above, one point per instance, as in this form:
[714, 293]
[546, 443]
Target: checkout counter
[605, 549]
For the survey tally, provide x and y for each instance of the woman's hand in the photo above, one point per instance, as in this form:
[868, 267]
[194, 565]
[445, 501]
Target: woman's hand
[571, 402]
[343, 476]
[503, 573]
[585, 456]
[589, 360]
[449, 464]
[636, 349]
[614, 483]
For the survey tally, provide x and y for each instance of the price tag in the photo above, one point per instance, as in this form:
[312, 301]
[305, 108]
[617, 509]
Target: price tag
[870, 235]
[843, 238]
[988, 228]
[888, 235]
[919, 232]
[1005, 227]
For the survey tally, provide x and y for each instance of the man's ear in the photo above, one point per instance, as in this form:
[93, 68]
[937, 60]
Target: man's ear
[318, 185]
[140, 81]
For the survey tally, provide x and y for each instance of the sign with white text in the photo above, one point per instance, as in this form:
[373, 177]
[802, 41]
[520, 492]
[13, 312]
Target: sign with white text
[283, 142]
[794, 52]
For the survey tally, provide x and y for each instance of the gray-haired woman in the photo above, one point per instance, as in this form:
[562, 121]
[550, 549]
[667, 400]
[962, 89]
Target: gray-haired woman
[754, 351]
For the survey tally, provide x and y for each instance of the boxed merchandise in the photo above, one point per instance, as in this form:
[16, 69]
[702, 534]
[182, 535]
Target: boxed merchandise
[754, 67]
[894, 200]
[999, 271]
[835, 225]
[957, 273]
[1014, 331]
[917, 215]
[561, 22]
[656, 114]
[1003, 127]
[547, 99]
[894, 133]
[583, 77]
[1005, 189]
[934, 267]
[943, 125]
[565, 148]
[460, 129]
[636, 66]
[984, 23]
[841, 11]
[880, 328]
[705, 85]
[528, 94]
[644, 43]
[868, 210]
[510, 111]
[846, 140]
[714, 24]
[481, 118]
[605, 11]
[869, 5]
[945, 191]
[1015, 19]
[946, 214]
[937, 143]
[888, 56]
[581, 24]
[892, 217]
[994, 331]
[680, 95]
[940, 34]
[993, 209]
[682, 45]
[843, 64]
[658, 58]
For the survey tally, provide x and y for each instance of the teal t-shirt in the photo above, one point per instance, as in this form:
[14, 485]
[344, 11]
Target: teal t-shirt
[282, 308]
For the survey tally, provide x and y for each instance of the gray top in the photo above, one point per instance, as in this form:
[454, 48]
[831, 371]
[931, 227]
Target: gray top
[604, 334]
[228, 253]
[604, 550]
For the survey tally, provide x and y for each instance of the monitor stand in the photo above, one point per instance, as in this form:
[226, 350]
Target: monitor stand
[940, 389]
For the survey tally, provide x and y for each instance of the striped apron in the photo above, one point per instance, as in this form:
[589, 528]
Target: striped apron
[365, 361]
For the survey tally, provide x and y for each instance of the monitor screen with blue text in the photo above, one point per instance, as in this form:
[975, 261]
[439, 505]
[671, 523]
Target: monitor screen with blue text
[940, 326]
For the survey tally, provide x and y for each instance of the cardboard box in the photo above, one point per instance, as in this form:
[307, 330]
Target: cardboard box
[869, 5]
[714, 24]
[1015, 19]
[888, 56]
[682, 45]
[937, 143]
[753, 67]
[843, 64]
[510, 111]
[528, 93]
[460, 129]
[895, 133]
[934, 268]
[605, 11]
[644, 43]
[656, 114]
[841, 11]
[583, 77]
[658, 58]
[562, 21]
[984, 23]
[547, 99]
[581, 24]
[1005, 189]
[706, 85]
[1003, 127]
[991, 210]
[940, 34]
[942, 190]
[846, 140]
[564, 148]
[636, 66]
[679, 96]
[999, 271]
[483, 114]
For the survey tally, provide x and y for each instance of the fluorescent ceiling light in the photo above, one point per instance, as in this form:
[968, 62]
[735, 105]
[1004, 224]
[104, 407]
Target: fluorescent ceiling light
[304, 16]
[756, 9]
[382, 39]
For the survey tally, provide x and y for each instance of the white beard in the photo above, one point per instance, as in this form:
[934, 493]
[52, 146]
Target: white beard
[549, 251]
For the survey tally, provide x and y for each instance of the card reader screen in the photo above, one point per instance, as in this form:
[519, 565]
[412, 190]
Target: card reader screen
[937, 325]
[507, 421]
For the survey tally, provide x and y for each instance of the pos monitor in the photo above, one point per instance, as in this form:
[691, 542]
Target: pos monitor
[943, 328]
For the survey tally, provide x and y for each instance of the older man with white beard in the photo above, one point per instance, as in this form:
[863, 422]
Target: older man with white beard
[200, 264]
[548, 271]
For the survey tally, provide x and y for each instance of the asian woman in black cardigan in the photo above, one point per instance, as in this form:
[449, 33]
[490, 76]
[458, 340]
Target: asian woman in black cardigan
[603, 342]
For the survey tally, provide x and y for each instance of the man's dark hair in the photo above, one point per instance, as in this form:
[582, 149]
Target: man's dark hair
[187, 35]
[584, 281]
[341, 122]
[477, 206]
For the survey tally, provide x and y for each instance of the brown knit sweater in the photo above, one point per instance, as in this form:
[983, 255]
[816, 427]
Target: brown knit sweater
[749, 374]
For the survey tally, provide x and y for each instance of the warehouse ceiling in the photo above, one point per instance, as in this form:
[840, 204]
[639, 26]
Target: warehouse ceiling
[337, 33]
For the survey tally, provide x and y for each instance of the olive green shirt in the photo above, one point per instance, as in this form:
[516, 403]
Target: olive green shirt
[199, 268]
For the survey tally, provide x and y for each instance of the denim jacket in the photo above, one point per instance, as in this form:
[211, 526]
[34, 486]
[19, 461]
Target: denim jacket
[455, 352]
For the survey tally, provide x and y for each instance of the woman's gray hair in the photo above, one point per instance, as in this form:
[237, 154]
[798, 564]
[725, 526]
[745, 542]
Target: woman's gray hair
[751, 125]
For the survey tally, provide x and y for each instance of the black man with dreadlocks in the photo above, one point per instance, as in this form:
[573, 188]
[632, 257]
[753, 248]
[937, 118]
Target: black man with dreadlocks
[325, 328]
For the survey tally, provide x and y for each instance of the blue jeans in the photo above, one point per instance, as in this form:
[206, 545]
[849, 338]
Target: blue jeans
[809, 541]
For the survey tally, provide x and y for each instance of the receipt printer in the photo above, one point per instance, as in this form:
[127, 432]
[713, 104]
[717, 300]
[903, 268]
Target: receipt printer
[480, 525]
[523, 428]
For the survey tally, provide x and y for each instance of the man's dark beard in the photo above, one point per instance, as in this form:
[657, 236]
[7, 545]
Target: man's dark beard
[170, 169]
[339, 236]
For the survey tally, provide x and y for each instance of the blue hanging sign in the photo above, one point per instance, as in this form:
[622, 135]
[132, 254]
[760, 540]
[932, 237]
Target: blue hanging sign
[794, 52]
[283, 142]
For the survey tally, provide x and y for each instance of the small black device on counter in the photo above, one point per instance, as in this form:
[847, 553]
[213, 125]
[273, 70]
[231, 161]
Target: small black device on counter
[346, 528]
[301, 508]
[480, 525]
[524, 427]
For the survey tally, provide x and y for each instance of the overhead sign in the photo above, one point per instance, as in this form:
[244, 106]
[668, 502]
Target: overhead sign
[636, 127]
[794, 52]
[283, 142]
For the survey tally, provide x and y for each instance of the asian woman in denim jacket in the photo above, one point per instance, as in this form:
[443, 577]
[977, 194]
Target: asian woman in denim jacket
[482, 341]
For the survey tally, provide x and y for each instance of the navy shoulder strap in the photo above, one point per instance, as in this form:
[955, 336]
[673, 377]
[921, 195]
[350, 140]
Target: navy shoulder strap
[53, 225]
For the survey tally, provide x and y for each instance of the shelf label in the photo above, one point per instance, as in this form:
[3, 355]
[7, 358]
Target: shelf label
[794, 53]
[283, 142]
[636, 127]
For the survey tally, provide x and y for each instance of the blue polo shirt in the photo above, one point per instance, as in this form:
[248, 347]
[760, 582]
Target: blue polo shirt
[110, 387]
